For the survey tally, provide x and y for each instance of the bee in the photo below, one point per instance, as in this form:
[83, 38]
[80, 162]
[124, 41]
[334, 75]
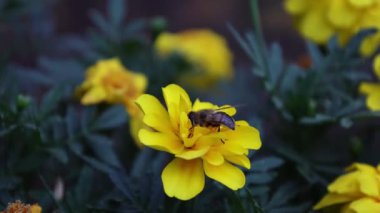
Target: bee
[211, 118]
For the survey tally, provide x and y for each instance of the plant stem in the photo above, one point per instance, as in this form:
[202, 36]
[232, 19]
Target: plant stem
[259, 36]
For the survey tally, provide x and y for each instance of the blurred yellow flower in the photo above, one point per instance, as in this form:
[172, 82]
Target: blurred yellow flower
[19, 207]
[109, 81]
[203, 48]
[372, 90]
[135, 124]
[358, 191]
[205, 151]
[320, 20]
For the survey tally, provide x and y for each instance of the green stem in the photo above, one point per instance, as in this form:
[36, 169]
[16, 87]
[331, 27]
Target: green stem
[256, 21]
[259, 36]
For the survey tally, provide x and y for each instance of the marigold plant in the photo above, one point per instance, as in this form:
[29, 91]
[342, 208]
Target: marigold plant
[202, 47]
[205, 151]
[109, 81]
[320, 20]
[358, 190]
[372, 90]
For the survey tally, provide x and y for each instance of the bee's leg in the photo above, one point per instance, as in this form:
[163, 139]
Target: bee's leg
[222, 141]
[191, 132]
[218, 128]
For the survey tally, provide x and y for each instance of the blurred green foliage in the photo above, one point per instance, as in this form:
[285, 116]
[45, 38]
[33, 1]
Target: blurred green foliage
[312, 121]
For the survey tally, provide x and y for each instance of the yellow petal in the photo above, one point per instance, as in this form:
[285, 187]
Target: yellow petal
[369, 184]
[228, 109]
[296, 7]
[35, 208]
[177, 101]
[183, 179]
[365, 205]
[361, 167]
[227, 174]
[346, 184]
[155, 114]
[240, 160]
[214, 157]
[370, 44]
[161, 141]
[192, 153]
[314, 26]
[200, 105]
[369, 88]
[135, 125]
[341, 14]
[376, 66]
[94, 96]
[332, 199]
[246, 136]
[373, 102]
[140, 82]
[361, 3]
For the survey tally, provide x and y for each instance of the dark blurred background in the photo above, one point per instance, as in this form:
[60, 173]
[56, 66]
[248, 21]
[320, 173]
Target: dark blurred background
[71, 16]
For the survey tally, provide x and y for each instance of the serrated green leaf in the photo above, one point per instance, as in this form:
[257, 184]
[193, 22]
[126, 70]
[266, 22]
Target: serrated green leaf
[116, 12]
[283, 195]
[317, 119]
[60, 154]
[102, 147]
[51, 100]
[315, 54]
[111, 118]
[261, 178]
[84, 186]
[276, 63]
[63, 70]
[266, 164]
[101, 23]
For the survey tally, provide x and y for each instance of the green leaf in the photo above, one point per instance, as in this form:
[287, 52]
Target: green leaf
[261, 178]
[283, 195]
[120, 181]
[111, 118]
[276, 63]
[32, 77]
[266, 164]
[102, 147]
[51, 100]
[84, 186]
[315, 53]
[60, 154]
[291, 209]
[101, 23]
[72, 122]
[63, 70]
[116, 12]
[9, 183]
[317, 119]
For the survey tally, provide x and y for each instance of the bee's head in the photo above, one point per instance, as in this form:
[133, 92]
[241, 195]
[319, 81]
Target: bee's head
[191, 116]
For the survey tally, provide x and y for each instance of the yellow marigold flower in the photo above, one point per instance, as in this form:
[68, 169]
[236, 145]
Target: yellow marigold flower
[204, 48]
[372, 90]
[358, 191]
[205, 151]
[19, 207]
[109, 81]
[320, 20]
